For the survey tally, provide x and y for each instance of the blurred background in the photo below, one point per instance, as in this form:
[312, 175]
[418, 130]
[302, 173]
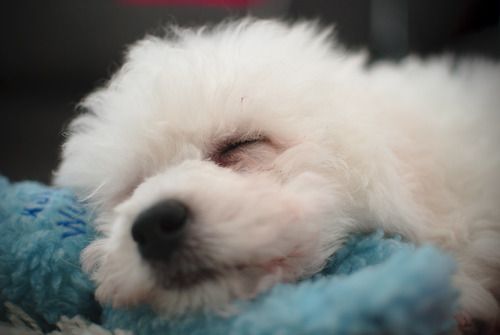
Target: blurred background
[53, 52]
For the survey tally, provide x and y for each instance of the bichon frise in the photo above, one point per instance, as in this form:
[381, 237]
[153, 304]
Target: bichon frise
[224, 160]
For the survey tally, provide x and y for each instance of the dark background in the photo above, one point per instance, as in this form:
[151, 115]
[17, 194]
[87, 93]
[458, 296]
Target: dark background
[53, 52]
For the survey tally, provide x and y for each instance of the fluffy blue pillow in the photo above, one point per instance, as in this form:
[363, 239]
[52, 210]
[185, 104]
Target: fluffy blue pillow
[375, 284]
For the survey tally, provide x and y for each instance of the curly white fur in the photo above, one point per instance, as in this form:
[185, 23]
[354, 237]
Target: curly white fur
[411, 148]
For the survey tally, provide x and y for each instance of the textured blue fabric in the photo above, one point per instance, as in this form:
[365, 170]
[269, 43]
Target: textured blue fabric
[42, 231]
[375, 284]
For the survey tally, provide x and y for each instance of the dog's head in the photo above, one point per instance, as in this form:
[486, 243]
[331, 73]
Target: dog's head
[212, 160]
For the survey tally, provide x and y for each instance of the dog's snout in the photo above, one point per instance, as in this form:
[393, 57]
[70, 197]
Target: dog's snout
[159, 229]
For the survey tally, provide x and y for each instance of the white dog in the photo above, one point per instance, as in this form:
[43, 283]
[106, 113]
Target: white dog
[224, 160]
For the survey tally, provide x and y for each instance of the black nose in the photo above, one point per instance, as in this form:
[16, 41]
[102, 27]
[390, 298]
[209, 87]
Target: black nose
[159, 229]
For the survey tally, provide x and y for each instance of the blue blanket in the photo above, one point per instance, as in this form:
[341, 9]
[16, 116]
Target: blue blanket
[375, 284]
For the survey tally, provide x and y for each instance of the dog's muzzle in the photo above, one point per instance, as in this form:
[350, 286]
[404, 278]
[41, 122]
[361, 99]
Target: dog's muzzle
[159, 230]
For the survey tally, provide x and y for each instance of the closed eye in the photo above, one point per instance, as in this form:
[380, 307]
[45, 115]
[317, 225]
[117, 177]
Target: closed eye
[235, 145]
[228, 152]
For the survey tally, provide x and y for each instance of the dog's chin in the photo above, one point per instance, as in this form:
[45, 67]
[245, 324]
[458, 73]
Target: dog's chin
[173, 290]
[204, 289]
[213, 290]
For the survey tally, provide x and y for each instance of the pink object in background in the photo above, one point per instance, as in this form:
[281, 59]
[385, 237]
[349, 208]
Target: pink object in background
[213, 3]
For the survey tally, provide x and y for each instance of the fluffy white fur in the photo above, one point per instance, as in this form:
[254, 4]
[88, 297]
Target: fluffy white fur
[411, 148]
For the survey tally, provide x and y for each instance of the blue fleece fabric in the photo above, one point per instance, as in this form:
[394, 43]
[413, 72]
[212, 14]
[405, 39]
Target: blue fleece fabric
[375, 284]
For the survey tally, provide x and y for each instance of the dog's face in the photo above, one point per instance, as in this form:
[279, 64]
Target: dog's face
[211, 160]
